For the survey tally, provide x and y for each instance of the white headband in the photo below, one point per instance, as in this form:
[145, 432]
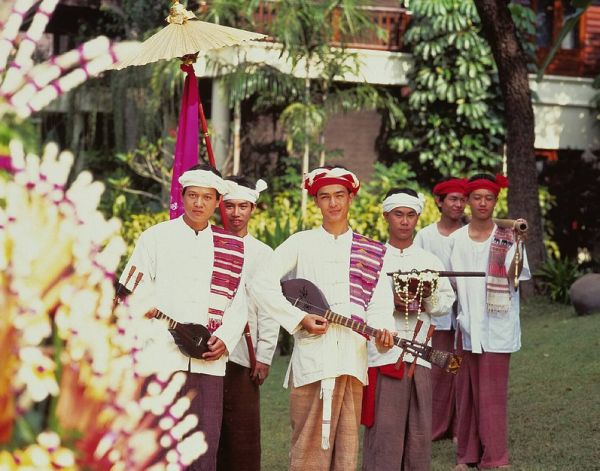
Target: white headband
[241, 192]
[404, 200]
[206, 179]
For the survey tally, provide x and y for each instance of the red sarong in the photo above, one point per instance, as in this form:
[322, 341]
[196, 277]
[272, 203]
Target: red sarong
[367, 417]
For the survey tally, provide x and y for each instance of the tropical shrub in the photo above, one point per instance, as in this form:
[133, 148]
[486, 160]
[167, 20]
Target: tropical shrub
[556, 277]
[454, 116]
[134, 226]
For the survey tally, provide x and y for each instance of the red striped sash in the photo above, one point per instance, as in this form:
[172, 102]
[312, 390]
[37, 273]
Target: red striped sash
[366, 261]
[227, 271]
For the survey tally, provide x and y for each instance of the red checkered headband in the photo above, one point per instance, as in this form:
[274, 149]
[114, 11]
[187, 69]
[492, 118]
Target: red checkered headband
[484, 184]
[454, 185]
[322, 176]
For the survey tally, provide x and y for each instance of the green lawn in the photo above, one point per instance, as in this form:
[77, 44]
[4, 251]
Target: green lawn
[554, 397]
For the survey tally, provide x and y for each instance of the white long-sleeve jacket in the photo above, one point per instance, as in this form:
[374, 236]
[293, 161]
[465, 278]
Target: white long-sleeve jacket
[483, 331]
[264, 330]
[324, 260]
[430, 239]
[177, 265]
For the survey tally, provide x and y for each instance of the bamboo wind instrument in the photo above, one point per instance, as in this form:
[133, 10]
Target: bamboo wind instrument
[520, 228]
[518, 225]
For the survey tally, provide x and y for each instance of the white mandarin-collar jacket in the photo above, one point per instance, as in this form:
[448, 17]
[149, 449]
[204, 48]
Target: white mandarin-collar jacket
[264, 330]
[177, 264]
[483, 331]
[430, 239]
[323, 259]
[408, 259]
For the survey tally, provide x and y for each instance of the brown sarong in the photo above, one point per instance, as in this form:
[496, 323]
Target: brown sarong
[482, 425]
[207, 404]
[306, 415]
[443, 387]
[239, 447]
[400, 438]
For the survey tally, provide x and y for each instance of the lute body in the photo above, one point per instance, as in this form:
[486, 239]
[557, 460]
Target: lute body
[191, 339]
[307, 296]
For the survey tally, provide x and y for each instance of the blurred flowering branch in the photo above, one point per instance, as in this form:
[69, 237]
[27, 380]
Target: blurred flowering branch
[66, 356]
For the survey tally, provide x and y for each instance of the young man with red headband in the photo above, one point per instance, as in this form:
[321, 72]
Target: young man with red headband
[329, 363]
[488, 317]
[450, 197]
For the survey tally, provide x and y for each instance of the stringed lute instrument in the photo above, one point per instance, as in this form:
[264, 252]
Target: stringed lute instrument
[191, 339]
[308, 297]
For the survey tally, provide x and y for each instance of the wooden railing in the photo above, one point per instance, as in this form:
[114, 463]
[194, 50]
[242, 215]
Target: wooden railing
[391, 22]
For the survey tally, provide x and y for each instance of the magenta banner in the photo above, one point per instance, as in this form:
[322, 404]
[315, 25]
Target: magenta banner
[186, 147]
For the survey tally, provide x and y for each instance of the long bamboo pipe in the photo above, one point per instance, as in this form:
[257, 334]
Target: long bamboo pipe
[518, 225]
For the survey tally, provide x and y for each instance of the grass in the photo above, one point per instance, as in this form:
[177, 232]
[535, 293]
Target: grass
[554, 397]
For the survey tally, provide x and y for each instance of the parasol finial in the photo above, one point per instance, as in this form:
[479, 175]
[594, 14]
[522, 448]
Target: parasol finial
[178, 15]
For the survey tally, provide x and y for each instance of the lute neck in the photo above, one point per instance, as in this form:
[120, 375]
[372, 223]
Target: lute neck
[172, 322]
[357, 326]
[447, 361]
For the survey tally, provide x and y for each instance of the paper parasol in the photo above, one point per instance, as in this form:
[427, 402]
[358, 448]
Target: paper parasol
[186, 35]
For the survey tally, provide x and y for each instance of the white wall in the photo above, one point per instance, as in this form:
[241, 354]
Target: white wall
[564, 118]
[563, 114]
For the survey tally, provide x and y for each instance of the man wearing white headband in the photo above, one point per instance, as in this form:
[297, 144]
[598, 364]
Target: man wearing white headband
[397, 409]
[248, 365]
[192, 271]
[329, 362]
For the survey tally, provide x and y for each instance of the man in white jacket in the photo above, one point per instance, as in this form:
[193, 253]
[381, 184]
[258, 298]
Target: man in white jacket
[450, 197]
[239, 446]
[398, 434]
[329, 362]
[488, 316]
[192, 270]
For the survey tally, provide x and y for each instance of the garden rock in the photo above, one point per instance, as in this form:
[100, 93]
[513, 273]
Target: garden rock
[585, 294]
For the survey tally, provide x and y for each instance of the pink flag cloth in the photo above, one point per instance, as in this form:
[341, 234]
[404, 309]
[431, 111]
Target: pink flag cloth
[186, 147]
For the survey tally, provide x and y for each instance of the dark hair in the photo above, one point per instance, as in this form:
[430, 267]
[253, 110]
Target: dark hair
[242, 180]
[483, 176]
[207, 168]
[408, 191]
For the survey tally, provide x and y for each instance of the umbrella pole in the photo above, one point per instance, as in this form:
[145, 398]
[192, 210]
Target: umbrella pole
[211, 155]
